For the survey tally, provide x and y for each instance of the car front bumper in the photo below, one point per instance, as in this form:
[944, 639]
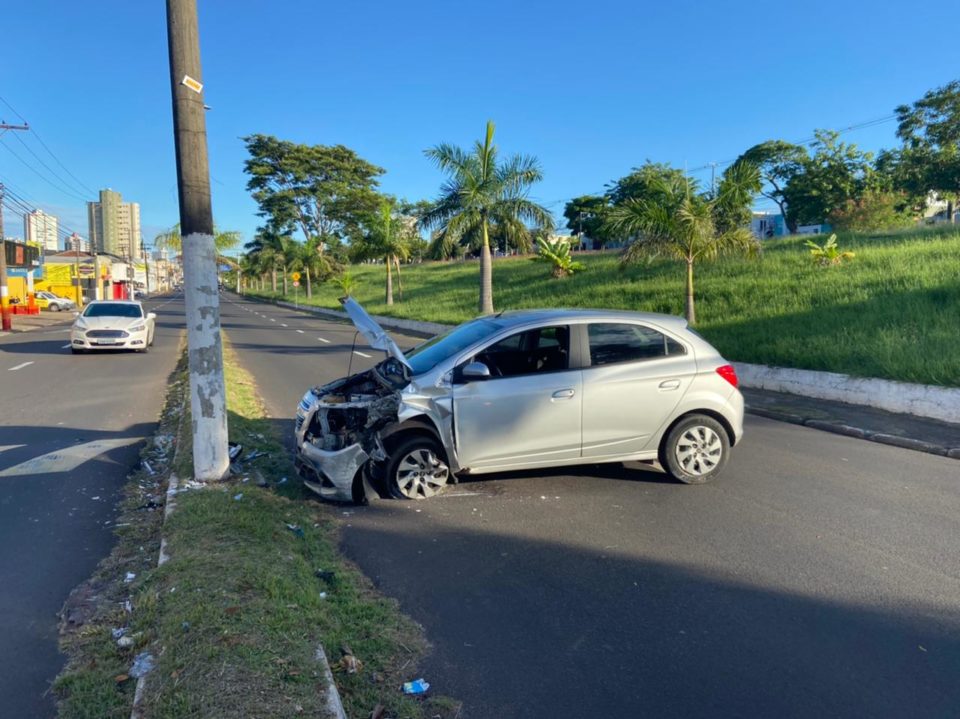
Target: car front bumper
[134, 341]
[330, 474]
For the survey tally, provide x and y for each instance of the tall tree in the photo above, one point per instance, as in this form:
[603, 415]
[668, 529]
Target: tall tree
[834, 173]
[930, 130]
[321, 191]
[673, 220]
[479, 191]
[587, 216]
[778, 162]
[642, 182]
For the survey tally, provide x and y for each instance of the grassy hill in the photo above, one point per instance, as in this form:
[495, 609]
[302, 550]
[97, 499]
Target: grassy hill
[892, 312]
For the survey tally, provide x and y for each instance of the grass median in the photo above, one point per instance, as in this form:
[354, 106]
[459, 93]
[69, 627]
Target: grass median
[891, 312]
[253, 586]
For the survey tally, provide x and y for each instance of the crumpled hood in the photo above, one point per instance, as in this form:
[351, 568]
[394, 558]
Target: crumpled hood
[373, 333]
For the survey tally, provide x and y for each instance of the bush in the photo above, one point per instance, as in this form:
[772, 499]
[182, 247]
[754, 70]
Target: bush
[874, 210]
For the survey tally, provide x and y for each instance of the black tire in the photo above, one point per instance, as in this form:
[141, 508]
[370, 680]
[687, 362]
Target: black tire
[416, 468]
[695, 451]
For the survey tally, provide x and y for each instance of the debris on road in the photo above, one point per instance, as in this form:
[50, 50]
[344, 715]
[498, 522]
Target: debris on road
[238, 497]
[417, 686]
[129, 577]
[142, 665]
[296, 529]
[235, 450]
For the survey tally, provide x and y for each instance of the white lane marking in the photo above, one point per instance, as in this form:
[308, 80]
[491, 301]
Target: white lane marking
[272, 320]
[5, 447]
[282, 325]
[362, 354]
[323, 340]
[300, 331]
[66, 346]
[21, 366]
[68, 459]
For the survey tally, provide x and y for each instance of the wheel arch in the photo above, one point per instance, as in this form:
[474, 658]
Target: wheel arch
[712, 414]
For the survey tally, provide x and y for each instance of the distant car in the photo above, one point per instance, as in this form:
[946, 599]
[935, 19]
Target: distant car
[112, 325]
[521, 390]
[53, 303]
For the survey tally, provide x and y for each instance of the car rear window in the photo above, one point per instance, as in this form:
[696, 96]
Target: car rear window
[612, 343]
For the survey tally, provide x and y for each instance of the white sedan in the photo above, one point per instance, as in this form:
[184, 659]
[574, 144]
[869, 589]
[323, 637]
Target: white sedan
[112, 325]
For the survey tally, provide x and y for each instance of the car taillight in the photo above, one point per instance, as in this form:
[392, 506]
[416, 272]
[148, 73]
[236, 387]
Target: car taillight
[728, 373]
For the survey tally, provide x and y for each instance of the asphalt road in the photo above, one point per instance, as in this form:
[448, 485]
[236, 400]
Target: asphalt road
[820, 576]
[71, 428]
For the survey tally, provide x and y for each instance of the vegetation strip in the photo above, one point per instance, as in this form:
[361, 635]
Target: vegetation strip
[253, 585]
[891, 313]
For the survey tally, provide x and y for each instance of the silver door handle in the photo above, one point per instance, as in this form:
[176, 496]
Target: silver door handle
[563, 394]
[670, 384]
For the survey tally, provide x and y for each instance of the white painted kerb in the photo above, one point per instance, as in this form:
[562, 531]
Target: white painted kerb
[923, 400]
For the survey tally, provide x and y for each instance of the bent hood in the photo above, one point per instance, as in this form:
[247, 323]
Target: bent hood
[373, 333]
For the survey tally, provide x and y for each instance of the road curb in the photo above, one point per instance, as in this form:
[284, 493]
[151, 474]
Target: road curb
[847, 430]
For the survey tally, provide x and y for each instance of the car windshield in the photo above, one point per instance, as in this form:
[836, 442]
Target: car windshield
[113, 310]
[431, 353]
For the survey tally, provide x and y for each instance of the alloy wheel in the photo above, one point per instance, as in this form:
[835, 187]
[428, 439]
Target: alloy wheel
[421, 474]
[698, 450]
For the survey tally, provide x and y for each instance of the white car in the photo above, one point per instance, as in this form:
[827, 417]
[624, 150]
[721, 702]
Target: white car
[53, 303]
[112, 325]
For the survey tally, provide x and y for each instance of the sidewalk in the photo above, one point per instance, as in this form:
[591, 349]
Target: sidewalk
[876, 425]
[26, 323]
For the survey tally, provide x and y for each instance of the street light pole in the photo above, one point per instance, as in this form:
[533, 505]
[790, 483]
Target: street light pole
[204, 348]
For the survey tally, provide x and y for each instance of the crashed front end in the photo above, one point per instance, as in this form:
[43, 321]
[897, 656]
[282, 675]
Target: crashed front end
[338, 430]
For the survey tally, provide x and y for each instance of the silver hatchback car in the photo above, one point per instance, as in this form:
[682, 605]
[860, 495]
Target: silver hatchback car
[520, 390]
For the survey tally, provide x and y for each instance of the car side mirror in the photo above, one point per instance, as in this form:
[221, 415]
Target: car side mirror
[151, 315]
[475, 371]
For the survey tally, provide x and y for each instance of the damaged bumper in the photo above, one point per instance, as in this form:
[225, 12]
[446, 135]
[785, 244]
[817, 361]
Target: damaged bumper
[331, 473]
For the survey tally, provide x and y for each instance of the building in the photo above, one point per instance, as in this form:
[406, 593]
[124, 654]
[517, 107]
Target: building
[40, 229]
[114, 225]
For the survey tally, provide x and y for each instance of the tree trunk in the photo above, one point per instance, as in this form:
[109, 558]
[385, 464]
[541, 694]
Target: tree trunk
[691, 313]
[950, 217]
[486, 274]
[306, 271]
[273, 278]
[396, 259]
[388, 262]
[285, 280]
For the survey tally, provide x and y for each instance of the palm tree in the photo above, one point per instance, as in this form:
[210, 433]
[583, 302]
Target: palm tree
[478, 192]
[309, 258]
[223, 241]
[387, 238]
[675, 221]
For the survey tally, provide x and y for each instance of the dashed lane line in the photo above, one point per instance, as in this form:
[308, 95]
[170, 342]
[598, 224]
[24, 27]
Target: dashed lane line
[300, 331]
[323, 340]
[20, 366]
[362, 354]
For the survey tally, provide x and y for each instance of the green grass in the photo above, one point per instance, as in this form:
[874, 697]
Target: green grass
[892, 312]
[235, 617]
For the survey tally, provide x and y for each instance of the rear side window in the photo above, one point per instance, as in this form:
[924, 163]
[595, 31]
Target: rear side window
[612, 343]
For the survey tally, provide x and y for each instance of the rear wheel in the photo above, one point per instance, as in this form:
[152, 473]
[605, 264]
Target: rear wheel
[417, 468]
[695, 450]
[53, 307]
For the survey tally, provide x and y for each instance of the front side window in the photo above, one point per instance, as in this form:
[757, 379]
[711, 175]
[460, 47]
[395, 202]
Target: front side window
[545, 349]
[612, 343]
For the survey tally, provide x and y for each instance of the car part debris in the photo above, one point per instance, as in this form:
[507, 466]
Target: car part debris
[296, 529]
[234, 451]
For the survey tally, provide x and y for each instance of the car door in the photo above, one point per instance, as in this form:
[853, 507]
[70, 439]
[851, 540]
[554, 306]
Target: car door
[528, 412]
[633, 379]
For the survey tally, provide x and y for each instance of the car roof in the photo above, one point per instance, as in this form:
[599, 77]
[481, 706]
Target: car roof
[515, 318]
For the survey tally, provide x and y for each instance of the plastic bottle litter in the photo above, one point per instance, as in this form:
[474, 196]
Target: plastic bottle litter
[142, 665]
[417, 686]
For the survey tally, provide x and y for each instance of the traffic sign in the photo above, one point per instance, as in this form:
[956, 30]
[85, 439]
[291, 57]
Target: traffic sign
[295, 276]
[296, 283]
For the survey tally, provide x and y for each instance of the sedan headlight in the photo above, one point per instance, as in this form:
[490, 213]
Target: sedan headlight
[137, 328]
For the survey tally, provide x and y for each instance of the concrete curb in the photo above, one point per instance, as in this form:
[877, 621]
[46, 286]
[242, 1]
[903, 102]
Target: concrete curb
[847, 430]
[921, 400]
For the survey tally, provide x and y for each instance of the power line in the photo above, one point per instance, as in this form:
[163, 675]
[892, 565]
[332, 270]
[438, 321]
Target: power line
[40, 160]
[67, 192]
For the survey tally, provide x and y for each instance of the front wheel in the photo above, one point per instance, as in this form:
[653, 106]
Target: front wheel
[695, 450]
[417, 469]
[53, 307]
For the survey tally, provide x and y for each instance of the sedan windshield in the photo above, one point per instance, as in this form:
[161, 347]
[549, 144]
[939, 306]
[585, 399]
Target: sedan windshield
[113, 310]
[431, 353]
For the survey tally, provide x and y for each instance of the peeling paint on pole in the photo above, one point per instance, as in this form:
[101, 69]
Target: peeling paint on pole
[205, 355]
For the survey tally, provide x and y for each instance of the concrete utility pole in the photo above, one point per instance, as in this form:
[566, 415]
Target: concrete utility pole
[5, 323]
[205, 351]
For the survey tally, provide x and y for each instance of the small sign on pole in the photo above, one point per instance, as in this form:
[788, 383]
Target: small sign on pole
[194, 85]
[296, 283]
[295, 276]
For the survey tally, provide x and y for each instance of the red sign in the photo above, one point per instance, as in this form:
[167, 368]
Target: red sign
[296, 283]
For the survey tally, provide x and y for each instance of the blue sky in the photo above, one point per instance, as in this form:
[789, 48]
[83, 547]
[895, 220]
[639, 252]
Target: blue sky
[591, 89]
